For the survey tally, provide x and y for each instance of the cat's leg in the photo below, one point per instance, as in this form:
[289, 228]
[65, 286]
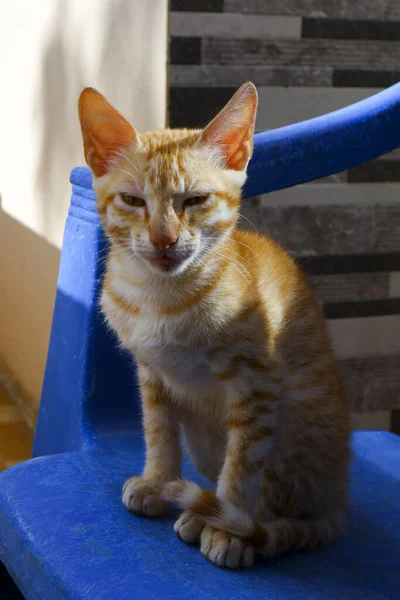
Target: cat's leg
[253, 392]
[253, 398]
[251, 433]
[206, 446]
[141, 495]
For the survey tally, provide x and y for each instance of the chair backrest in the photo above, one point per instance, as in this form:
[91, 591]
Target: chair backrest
[89, 389]
[325, 145]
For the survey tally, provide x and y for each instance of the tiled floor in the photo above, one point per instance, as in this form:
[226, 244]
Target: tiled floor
[16, 437]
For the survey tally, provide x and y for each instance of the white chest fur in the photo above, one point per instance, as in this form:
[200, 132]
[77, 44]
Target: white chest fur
[157, 341]
[182, 367]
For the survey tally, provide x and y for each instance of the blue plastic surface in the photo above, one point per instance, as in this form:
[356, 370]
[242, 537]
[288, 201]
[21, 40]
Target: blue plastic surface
[63, 530]
[65, 534]
[89, 387]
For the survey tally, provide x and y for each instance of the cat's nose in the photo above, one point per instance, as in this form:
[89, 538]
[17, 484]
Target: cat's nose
[162, 242]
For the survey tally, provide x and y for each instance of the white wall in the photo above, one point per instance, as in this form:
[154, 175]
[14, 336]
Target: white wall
[49, 51]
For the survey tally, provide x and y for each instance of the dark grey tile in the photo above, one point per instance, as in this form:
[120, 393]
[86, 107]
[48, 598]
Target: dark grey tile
[375, 171]
[355, 295]
[185, 51]
[329, 229]
[316, 230]
[356, 309]
[395, 421]
[195, 107]
[351, 287]
[372, 383]
[197, 5]
[392, 155]
[235, 75]
[374, 420]
[353, 263]
[342, 9]
[350, 29]
[234, 25]
[386, 233]
[338, 54]
[364, 79]
[335, 178]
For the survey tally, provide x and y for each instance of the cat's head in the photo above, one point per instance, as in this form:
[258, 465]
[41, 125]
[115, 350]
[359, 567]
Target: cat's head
[168, 198]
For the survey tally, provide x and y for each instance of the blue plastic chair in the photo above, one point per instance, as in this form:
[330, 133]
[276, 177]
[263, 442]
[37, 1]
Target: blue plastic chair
[64, 533]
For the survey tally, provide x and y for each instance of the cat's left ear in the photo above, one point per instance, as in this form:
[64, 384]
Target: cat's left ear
[104, 130]
[231, 131]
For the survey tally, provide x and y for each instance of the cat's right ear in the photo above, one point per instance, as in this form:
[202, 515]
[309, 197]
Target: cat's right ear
[231, 131]
[104, 130]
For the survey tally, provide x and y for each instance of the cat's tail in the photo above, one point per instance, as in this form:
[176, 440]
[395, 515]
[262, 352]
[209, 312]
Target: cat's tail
[270, 539]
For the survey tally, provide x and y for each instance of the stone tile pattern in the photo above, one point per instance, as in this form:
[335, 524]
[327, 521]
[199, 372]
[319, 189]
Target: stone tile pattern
[211, 6]
[339, 54]
[344, 44]
[350, 29]
[342, 9]
[348, 287]
[182, 75]
[327, 229]
[351, 252]
[372, 383]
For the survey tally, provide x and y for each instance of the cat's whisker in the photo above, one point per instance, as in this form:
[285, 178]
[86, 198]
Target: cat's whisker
[246, 219]
[246, 246]
[239, 268]
[124, 157]
[216, 238]
[231, 253]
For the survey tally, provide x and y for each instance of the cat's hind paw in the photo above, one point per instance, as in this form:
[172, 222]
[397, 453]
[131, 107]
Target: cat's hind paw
[142, 498]
[225, 550]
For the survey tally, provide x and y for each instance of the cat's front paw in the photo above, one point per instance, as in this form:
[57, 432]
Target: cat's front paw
[188, 528]
[141, 497]
[225, 550]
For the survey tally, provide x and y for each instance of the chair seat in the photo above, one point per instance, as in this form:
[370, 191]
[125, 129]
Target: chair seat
[66, 535]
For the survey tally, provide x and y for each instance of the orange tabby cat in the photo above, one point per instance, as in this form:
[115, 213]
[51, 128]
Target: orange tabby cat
[230, 343]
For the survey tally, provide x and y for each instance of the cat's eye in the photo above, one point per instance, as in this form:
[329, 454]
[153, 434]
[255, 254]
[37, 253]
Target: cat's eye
[132, 200]
[195, 200]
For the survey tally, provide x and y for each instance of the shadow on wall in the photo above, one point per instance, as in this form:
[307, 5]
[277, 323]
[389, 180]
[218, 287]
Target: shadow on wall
[27, 292]
[121, 67]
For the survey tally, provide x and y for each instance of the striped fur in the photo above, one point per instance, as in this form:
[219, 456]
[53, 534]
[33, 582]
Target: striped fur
[231, 346]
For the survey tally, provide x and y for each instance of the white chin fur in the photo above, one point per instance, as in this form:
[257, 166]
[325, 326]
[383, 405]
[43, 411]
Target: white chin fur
[170, 271]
